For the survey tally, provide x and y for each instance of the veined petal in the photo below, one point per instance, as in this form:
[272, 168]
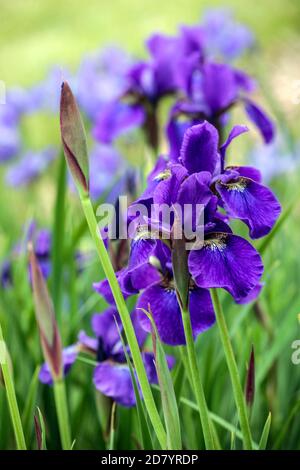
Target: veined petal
[251, 202]
[167, 316]
[226, 261]
[114, 381]
[199, 150]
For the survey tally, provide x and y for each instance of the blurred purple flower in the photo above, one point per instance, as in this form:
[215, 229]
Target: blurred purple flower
[106, 165]
[29, 167]
[112, 375]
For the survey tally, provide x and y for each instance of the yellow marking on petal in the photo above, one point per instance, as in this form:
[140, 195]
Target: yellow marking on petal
[163, 175]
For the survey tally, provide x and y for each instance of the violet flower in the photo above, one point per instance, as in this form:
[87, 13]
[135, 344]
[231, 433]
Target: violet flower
[29, 167]
[111, 376]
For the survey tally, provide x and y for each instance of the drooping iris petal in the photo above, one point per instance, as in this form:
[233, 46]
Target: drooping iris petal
[247, 171]
[86, 342]
[114, 381]
[69, 356]
[103, 288]
[226, 261]
[199, 151]
[167, 316]
[252, 202]
[253, 294]
[261, 120]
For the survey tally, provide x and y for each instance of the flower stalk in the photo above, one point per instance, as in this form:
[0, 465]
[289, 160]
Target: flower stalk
[196, 380]
[233, 371]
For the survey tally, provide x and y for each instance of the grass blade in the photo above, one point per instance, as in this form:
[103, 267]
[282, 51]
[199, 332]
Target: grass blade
[265, 434]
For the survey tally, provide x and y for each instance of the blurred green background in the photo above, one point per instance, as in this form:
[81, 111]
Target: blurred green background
[37, 33]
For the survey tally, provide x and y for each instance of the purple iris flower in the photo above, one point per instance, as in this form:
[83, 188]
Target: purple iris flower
[212, 89]
[224, 259]
[224, 37]
[101, 79]
[111, 376]
[106, 165]
[42, 246]
[29, 167]
[9, 142]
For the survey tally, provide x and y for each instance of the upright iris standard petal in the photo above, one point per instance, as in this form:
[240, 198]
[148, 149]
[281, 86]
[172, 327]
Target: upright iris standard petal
[226, 261]
[165, 309]
[219, 86]
[261, 120]
[114, 381]
[235, 132]
[252, 202]
[199, 151]
[247, 171]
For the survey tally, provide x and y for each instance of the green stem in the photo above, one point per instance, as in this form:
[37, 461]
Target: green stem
[126, 321]
[11, 395]
[193, 370]
[62, 414]
[233, 371]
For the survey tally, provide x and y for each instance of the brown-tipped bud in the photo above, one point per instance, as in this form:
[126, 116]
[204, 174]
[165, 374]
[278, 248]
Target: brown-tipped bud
[250, 381]
[73, 138]
[180, 264]
[49, 334]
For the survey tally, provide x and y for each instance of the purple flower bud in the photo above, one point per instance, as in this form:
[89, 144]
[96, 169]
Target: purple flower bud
[73, 138]
[250, 382]
[49, 334]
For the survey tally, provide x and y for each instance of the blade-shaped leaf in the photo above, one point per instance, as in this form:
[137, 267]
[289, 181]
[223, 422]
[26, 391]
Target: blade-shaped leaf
[168, 396]
[265, 434]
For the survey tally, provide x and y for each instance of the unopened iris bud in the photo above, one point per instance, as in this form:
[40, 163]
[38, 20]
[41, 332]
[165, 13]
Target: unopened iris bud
[49, 333]
[73, 138]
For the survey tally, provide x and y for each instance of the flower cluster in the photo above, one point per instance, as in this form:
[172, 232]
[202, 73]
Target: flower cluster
[111, 375]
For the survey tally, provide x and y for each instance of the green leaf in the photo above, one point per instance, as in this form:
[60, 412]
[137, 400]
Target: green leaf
[58, 238]
[180, 264]
[30, 403]
[168, 396]
[145, 435]
[265, 434]
[40, 430]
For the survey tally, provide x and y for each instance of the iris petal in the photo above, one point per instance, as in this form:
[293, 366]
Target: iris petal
[226, 261]
[251, 202]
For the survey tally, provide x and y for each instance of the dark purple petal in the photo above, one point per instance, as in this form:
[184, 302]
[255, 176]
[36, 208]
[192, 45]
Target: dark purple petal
[175, 133]
[251, 296]
[199, 151]
[167, 191]
[247, 171]
[251, 202]
[235, 132]
[69, 356]
[140, 333]
[194, 191]
[114, 381]
[104, 327]
[167, 316]
[149, 362]
[261, 120]
[226, 261]
[219, 86]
